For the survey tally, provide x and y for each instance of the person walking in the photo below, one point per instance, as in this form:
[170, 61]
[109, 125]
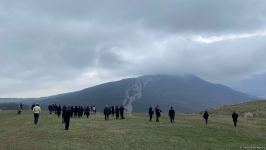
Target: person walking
[150, 113]
[36, 113]
[94, 109]
[19, 109]
[63, 113]
[113, 111]
[157, 113]
[206, 116]
[59, 111]
[116, 112]
[87, 111]
[106, 112]
[172, 115]
[67, 116]
[235, 116]
[50, 108]
[122, 109]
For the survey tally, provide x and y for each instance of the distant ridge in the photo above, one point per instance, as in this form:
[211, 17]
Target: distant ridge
[187, 93]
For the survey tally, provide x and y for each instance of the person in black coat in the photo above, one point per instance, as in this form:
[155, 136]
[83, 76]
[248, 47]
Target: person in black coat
[172, 115]
[113, 111]
[87, 111]
[116, 112]
[150, 113]
[58, 111]
[206, 116]
[67, 115]
[122, 109]
[79, 112]
[235, 116]
[55, 109]
[32, 106]
[76, 111]
[106, 112]
[63, 112]
[72, 111]
[157, 113]
[50, 108]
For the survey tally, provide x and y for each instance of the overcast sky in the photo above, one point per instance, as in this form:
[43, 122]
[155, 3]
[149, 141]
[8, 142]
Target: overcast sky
[54, 46]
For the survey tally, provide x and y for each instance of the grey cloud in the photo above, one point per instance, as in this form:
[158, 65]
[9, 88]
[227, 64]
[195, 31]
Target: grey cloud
[219, 61]
[174, 16]
[46, 44]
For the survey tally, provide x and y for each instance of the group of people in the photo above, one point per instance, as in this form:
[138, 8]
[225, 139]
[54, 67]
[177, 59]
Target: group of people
[171, 115]
[114, 111]
[158, 111]
[70, 112]
[234, 117]
[78, 111]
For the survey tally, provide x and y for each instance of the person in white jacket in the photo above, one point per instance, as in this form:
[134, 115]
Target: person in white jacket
[36, 112]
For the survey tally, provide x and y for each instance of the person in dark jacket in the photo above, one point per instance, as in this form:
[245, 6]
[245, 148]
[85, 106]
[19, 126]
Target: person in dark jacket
[55, 109]
[157, 113]
[113, 111]
[122, 109]
[79, 112]
[150, 113]
[116, 112]
[206, 116]
[72, 111]
[106, 112]
[76, 111]
[235, 116]
[67, 116]
[63, 112]
[32, 106]
[172, 115]
[87, 111]
[50, 108]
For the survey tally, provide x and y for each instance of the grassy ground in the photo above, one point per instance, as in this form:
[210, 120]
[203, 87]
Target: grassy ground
[17, 132]
[257, 108]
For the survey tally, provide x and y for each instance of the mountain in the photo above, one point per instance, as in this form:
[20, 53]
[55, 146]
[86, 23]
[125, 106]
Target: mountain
[12, 103]
[186, 94]
[9, 100]
[255, 85]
